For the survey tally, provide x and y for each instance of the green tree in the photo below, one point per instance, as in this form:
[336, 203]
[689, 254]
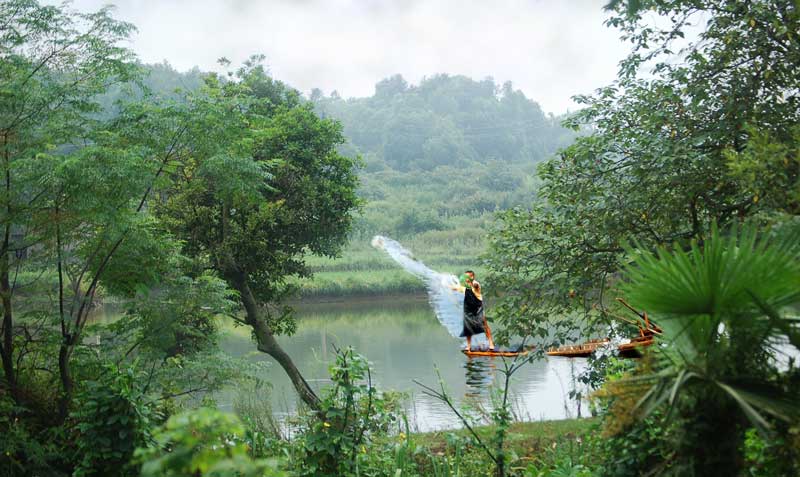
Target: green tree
[672, 149]
[53, 64]
[77, 215]
[264, 186]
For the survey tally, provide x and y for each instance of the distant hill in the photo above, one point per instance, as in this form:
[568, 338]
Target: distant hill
[446, 148]
[444, 121]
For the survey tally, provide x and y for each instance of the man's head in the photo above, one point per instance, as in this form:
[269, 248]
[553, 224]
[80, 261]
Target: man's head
[470, 276]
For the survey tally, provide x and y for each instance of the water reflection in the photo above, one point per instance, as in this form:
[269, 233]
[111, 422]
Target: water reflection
[480, 372]
[404, 342]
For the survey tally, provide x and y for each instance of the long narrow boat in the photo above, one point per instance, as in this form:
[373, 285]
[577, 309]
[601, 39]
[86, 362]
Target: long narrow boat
[581, 350]
[505, 353]
[631, 349]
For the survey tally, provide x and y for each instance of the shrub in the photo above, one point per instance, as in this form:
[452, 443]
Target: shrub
[111, 420]
[335, 441]
[722, 305]
[21, 451]
[204, 443]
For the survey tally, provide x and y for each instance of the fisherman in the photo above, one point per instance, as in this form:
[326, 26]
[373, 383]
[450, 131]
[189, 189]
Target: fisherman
[474, 317]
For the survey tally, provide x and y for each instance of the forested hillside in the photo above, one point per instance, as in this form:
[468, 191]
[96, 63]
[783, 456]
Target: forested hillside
[440, 158]
[450, 146]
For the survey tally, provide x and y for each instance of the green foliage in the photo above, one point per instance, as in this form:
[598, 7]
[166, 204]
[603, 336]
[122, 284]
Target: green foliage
[445, 120]
[78, 221]
[174, 329]
[722, 307]
[726, 276]
[776, 455]
[459, 458]
[263, 187]
[672, 149]
[203, 442]
[140, 262]
[641, 447]
[22, 451]
[448, 149]
[158, 80]
[769, 169]
[180, 318]
[53, 63]
[352, 415]
[112, 419]
[266, 186]
[534, 266]
[625, 443]
[568, 459]
[415, 221]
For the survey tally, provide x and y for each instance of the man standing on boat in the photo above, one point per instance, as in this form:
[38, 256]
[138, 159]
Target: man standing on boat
[474, 317]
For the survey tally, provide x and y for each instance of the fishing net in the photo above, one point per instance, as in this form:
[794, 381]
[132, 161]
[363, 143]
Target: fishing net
[447, 304]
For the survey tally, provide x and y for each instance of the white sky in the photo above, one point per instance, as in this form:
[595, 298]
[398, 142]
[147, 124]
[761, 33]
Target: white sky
[550, 49]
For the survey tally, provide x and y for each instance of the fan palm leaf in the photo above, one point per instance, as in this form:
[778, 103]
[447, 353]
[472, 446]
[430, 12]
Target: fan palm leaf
[719, 303]
[717, 277]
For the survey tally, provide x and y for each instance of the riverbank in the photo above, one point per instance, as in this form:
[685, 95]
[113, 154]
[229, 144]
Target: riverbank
[531, 434]
[539, 447]
[361, 271]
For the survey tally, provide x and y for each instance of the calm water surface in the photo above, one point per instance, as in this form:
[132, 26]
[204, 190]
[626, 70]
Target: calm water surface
[404, 341]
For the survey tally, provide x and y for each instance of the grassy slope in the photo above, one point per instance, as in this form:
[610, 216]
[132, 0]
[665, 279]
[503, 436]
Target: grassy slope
[364, 270]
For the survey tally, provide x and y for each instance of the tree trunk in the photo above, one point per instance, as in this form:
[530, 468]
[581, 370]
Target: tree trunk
[65, 374]
[7, 348]
[267, 342]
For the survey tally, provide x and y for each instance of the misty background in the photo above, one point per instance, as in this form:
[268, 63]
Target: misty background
[548, 49]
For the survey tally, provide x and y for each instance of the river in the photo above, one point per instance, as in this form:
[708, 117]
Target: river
[403, 340]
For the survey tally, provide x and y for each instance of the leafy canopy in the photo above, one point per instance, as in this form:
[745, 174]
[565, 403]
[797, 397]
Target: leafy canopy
[678, 142]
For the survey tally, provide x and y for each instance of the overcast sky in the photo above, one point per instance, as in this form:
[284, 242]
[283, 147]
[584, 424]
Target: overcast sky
[550, 49]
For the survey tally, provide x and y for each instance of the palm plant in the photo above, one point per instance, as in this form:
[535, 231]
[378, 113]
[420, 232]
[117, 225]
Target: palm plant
[723, 307]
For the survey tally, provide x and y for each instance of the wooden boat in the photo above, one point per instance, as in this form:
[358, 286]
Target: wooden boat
[647, 332]
[505, 353]
[579, 350]
[583, 350]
